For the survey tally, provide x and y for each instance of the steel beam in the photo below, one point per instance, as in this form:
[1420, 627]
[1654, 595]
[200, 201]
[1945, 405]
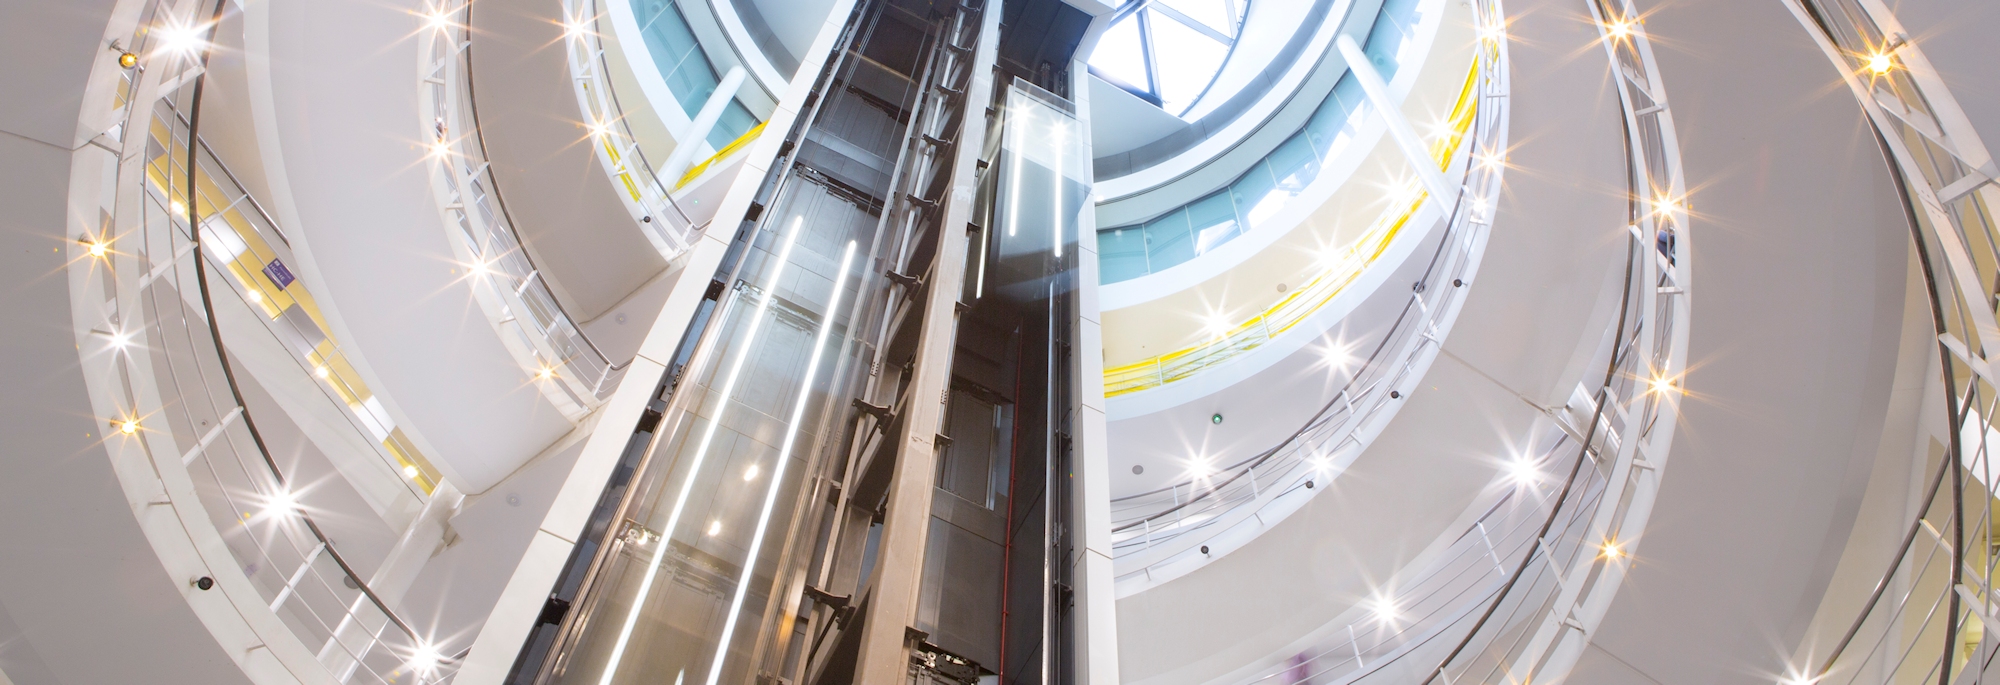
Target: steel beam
[884, 656]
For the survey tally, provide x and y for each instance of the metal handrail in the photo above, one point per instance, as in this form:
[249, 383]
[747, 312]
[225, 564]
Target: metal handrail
[1944, 175]
[551, 348]
[164, 215]
[1166, 524]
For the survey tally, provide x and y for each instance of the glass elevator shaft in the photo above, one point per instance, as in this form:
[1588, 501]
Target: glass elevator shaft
[858, 468]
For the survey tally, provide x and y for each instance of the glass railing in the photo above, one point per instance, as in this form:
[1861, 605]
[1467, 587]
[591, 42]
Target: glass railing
[1932, 614]
[571, 372]
[1339, 269]
[233, 413]
[689, 74]
[1188, 231]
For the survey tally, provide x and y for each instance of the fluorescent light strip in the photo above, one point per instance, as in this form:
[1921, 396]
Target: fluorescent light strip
[778, 469]
[701, 453]
[1056, 142]
[1014, 197]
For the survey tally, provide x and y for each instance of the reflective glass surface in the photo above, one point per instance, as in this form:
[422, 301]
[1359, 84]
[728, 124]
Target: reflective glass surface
[1182, 233]
[688, 73]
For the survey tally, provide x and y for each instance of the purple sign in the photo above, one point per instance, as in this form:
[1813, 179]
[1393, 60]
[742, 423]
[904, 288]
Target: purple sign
[278, 274]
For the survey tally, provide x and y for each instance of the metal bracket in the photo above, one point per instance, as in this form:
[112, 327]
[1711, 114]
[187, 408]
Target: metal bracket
[881, 413]
[907, 281]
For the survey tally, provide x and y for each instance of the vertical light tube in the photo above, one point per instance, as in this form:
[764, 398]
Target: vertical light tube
[1014, 196]
[701, 452]
[1056, 154]
[778, 469]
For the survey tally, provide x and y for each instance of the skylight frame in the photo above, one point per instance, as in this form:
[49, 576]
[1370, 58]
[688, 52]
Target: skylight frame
[1143, 13]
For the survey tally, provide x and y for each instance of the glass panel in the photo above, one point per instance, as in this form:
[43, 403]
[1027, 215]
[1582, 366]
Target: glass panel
[1387, 39]
[976, 455]
[1294, 166]
[1331, 128]
[1187, 60]
[736, 120]
[1168, 241]
[1211, 12]
[1213, 218]
[684, 587]
[687, 71]
[673, 45]
[1253, 196]
[691, 84]
[1120, 55]
[1121, 254]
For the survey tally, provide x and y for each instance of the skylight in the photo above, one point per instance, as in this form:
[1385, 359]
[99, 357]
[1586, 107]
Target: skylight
[1169, 51]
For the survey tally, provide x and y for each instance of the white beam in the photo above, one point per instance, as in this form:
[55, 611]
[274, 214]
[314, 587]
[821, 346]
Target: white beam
[1399, 126]
[704, 121]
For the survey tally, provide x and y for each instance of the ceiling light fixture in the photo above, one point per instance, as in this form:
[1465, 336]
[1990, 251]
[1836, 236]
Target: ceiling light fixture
[128, 426]
[1661, 385]
[1620, 29]
[1200, 468]
[425, 658]
[1880, 63]
[714, 527]
[1384, 609]
[1523, 471]
[282, 504]
[179, 38]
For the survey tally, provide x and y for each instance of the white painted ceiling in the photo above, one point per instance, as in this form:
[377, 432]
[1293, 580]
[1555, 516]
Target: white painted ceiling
[78, 580]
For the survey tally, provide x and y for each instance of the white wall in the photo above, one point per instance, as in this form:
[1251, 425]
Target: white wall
[1801, 253]
[78, 580]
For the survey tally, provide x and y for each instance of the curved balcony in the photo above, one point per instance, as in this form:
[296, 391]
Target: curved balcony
[1928, 616]
[1188, 231]
[1166, 532]
[256, 460]
[1543, 546]
[550, 346]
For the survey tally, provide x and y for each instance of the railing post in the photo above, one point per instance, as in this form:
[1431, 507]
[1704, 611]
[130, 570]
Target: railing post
[297, 576]
[1490, 552]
